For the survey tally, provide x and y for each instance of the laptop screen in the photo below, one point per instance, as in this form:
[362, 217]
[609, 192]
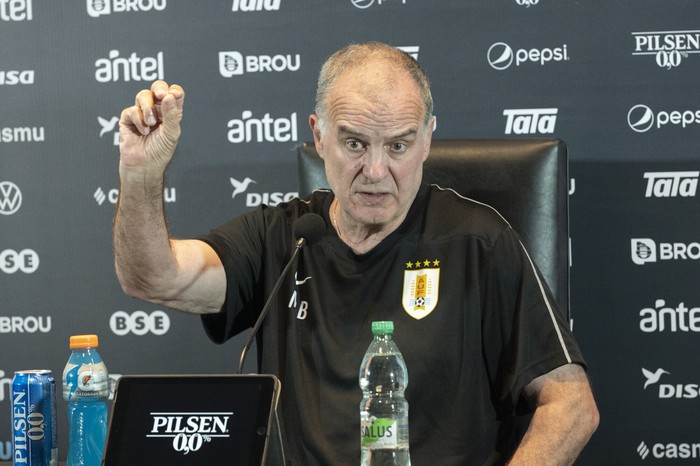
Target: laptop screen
[198, 419]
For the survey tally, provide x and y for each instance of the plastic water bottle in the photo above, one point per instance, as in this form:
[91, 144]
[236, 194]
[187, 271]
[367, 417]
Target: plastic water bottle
[384, 409]
[86, 389]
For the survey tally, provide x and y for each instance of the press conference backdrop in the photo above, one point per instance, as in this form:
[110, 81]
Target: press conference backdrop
[616, 80]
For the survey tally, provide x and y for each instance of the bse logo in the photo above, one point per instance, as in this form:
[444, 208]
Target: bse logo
[139, 323]
[189, 431]
[669, 47]
[235, 64]
[25, 261]
[10, 198]
[257, 199]
[97, 8]
[500, 55]
[671, 184]
[530, 120]
[642, 118]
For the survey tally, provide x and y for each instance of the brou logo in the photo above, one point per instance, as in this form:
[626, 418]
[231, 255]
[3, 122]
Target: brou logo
[669, 47]
[97, 8]
[16, 10]
[29, 324]
[500, 55]
[530, 120]
[10, 198]
[671, 184]
[135, 68]
[190, 431]
[642, 118]
[234, 63]
[645, 250]
[266, 129]
[255, 5]
[678, 319]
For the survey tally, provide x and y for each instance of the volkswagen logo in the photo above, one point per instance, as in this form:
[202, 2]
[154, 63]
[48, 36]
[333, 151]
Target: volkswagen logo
[10, 198]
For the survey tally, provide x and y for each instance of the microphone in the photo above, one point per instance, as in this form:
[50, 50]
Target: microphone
[307, 229]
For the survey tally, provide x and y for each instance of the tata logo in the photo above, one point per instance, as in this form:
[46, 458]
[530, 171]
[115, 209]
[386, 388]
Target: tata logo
[501, 56]
[255, 5]
[10, 198]
[530, 120]
[671, 184]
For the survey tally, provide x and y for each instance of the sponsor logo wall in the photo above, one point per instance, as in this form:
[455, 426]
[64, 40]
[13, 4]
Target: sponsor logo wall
[621, 98]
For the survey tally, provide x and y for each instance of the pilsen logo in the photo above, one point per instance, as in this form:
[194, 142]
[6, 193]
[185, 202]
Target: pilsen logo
[421, 283]
[190, 431]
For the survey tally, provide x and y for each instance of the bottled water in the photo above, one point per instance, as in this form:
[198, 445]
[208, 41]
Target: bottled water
[86, 389]
[384, 409]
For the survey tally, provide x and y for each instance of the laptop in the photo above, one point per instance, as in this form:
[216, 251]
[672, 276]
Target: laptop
[192, 420]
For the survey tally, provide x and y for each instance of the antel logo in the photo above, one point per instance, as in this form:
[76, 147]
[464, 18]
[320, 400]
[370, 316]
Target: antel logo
[669, 47]
[500, 55]
[139, 323]
[235, 64]
[666, 390]
[671, 184]
[115, 68]
[257, 199]
[109, 126]
[25, 261]
[362, 4]
[267, 129]
[10, 198]
[190, 431]
[97, 8]
[661, 318]
[645, 250]
[16, 10]
[642, 118]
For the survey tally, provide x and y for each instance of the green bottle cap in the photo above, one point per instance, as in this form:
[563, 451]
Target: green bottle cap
[382, 327]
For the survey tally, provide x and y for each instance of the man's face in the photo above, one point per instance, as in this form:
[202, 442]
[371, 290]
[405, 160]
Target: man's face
[373, 142]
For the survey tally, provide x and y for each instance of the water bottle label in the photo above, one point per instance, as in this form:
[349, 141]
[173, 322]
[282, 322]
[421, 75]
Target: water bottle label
[379, 433]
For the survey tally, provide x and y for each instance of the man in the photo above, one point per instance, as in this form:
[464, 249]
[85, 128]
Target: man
[491, 347]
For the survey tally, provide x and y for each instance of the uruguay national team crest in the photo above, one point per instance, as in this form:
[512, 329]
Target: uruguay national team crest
[421, 283]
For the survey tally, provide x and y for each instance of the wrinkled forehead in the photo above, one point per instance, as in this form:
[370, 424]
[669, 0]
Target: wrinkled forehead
[375, 92]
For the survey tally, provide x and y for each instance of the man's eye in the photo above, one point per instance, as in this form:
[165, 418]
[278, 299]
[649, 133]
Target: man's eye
[354, 145]
[398, 147]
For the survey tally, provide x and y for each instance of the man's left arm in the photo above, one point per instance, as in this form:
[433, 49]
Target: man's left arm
[565, 418]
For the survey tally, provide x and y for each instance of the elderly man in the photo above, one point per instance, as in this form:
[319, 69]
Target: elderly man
[493, 345]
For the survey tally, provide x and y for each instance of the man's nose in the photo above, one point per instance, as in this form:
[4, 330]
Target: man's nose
[374, 166]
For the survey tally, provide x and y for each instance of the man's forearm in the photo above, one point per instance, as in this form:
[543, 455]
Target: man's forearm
[142, 253]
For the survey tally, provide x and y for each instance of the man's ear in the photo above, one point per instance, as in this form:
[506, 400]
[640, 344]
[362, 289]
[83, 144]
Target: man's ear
[315, 124]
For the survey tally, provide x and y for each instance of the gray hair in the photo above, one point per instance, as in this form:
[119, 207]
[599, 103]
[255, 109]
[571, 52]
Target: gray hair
[355, 55]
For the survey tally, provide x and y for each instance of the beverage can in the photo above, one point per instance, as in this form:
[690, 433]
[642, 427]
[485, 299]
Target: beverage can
[34, 439]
